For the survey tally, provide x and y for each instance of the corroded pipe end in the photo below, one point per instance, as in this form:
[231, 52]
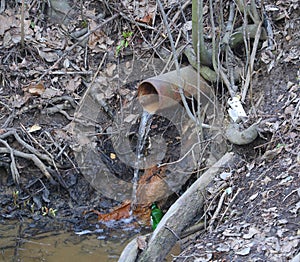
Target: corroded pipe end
[163, 91]
[155, 94]
[148, 97]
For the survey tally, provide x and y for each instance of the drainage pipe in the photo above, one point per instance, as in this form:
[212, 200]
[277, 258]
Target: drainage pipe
[162, 91]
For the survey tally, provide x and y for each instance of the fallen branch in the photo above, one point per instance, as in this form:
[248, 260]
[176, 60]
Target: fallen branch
[13, 167]
[30, 148]
[187, 207]
[31, 157]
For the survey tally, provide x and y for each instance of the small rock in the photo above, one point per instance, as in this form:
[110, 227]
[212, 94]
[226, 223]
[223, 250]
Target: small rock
[225, 175]
[252, 231]
[223, 248]
[244, 251]
[282, 221]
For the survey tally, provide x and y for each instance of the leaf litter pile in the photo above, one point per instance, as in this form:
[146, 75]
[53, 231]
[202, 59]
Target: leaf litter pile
[50, 56]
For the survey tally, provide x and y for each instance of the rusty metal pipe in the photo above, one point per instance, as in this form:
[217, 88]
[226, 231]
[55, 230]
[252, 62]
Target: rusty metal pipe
[162, 91]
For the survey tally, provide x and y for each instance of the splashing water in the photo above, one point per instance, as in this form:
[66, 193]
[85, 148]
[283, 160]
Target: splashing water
[144, 128]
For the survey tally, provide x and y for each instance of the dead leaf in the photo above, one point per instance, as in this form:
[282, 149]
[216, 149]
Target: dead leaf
[244, 251]
[130, 118]
[252, 232]
[147, 19]
[19, 101]
[6, 39]
[4, 25]
[73, 84]
[110, 69]
[152, 185]
[145, 13]
[15, 37]
[143, 213]
[119, 213]
[289, 110]
[49, 56]
[266, 180]
[49, 93]
[34, 128]
[36, 89]
[269, 155]
[225, 175]
[223, 248]
[97, 38]
[7, 22]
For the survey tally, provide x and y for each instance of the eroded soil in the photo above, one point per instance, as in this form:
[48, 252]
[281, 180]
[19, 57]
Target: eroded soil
[260, 215]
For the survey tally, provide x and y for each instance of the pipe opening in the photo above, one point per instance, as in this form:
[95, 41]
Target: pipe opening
[148, 97]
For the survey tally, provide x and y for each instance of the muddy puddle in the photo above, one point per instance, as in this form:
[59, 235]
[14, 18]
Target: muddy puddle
[26, 241]
[23, 241]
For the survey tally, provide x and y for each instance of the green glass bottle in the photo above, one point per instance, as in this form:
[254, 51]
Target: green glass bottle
[156, 215]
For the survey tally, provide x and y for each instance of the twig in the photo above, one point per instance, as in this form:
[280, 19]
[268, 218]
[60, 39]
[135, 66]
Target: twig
[220, 189]
[188, 152]
[253, 12]
[6, 106]
[71, 73]
[217, 211]
[65, 154]
[174, 233]
[50, 160]
[229, 53]
[229, 205]
[294, 191]
[137, 23]
[22, 23]
[193, 229]
[70, 99]
[171, 56]
[251, 62]
[180, 11]
[205, 57]
[218, 67]
[58, 109]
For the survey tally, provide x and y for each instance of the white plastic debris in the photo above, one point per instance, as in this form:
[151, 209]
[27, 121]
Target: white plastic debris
[236, 109]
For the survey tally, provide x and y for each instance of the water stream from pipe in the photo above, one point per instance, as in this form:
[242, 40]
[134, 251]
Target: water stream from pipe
[144, 128]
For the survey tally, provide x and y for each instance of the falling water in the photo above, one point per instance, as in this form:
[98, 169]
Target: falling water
[144, 129]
